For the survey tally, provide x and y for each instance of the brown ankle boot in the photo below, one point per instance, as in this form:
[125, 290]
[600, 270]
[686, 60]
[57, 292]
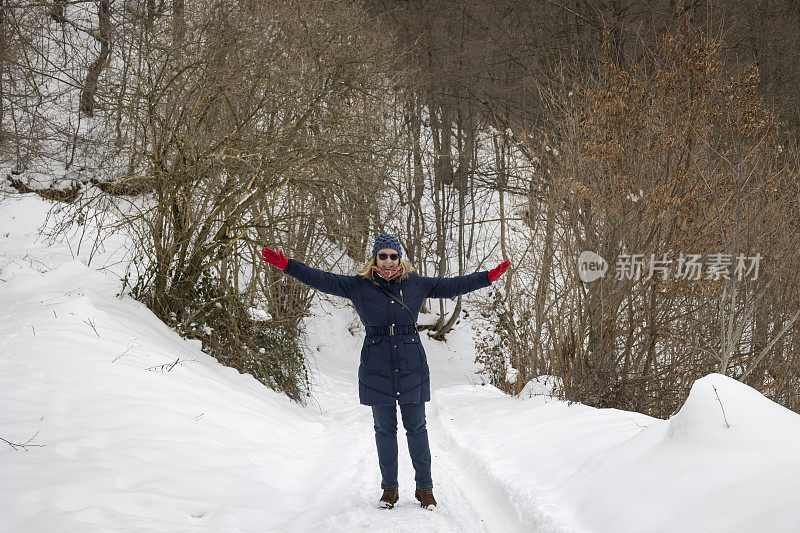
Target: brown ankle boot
[425, 499]
[389, 498]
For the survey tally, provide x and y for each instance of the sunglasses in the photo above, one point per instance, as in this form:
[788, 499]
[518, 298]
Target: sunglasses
[384, 257]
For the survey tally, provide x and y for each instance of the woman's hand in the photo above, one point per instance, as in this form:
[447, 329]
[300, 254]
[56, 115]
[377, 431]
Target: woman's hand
[276, 259]
[498, 271]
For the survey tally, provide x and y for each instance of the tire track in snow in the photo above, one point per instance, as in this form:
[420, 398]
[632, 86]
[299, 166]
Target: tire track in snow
[345, 494]
[519, 511]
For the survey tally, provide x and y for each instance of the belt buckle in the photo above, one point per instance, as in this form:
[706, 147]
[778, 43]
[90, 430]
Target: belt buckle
[391, 329]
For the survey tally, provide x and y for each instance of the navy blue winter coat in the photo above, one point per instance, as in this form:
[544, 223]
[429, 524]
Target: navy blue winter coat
[393, 367]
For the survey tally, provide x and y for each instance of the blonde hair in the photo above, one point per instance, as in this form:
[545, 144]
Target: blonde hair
[366, 270]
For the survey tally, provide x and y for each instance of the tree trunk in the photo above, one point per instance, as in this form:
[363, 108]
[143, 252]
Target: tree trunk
[96, 68]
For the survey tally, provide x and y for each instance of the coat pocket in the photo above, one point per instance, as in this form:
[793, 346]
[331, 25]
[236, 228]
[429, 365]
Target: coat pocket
[369, 344]
[412, 352]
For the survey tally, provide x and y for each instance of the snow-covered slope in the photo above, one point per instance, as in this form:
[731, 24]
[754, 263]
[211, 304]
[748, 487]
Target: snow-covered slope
[140, 430]
[137, 430]
[697, 472]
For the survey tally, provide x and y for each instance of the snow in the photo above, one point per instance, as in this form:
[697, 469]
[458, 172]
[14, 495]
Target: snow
[737, 478]
[259, 315]
[137, 430]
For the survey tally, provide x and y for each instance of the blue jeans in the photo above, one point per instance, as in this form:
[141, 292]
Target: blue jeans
[385, 417]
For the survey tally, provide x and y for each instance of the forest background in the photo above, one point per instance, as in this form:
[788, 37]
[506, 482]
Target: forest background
[663, 134]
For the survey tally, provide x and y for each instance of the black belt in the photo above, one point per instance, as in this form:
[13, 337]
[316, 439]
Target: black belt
[390, 330]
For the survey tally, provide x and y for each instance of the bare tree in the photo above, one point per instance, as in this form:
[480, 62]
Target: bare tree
[103, 36]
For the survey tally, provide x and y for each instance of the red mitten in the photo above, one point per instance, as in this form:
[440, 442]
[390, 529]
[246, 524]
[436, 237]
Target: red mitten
[276, 259]
[498, 271]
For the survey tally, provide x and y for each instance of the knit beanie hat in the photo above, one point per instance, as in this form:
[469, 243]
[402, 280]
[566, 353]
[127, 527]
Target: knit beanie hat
[387, 241]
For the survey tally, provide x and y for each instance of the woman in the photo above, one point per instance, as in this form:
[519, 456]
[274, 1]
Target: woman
[387, 295]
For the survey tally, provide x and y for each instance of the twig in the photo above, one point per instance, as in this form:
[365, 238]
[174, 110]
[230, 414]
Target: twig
[723, 408]
[90, 321]
[123, 353]
[24, 445]
[167, 366]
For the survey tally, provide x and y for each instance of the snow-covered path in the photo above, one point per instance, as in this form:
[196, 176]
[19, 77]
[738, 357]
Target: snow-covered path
[347, 500]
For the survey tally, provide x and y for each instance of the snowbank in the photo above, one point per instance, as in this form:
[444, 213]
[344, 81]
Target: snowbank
[694, 473]
[141, 430]
[616, 471]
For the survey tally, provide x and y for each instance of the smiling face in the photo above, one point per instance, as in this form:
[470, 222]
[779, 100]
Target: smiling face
[388, 262]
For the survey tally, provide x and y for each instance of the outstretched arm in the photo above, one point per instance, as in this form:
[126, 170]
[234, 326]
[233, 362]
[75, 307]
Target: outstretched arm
[455, 286]
[458, 285]
[327, 282]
